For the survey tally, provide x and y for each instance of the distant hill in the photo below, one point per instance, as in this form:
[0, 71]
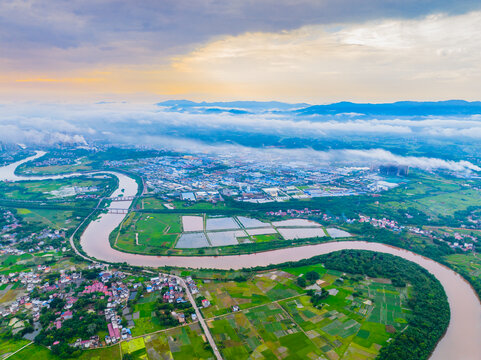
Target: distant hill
[401, 108]
[236, 107]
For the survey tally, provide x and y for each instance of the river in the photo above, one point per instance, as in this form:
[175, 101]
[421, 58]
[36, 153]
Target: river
[463, 337]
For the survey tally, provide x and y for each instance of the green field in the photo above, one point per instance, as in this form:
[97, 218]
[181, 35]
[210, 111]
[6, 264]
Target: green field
[277, 319]
[154, 203]
[40, 353]
[264, 332]
[181, 343]
[144, 315]
[434, 195]
[60, 189]
[262, 289]
[154, 231]
[82, 164]
[470, 263]
[8, 346]
[15, 263]
[266, 238]
[55, 219]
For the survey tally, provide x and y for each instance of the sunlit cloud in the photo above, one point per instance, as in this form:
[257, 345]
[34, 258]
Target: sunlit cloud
[431, 57]
[64, 80]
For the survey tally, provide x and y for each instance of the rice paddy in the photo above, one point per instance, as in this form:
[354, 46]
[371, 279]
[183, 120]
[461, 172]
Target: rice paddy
[223, 223]
[192, 223]
[181, 343]
[176, 233]
[292, 234]
[277, 320]
[337, 233]
[295, 222]
[192, 240]
[249, 223]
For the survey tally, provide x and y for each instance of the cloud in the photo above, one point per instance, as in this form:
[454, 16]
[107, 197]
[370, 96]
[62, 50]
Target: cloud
[15, 134]
[309, 157]
[69, 80]
[93, 121]
[147, 125]
[113, 26]
[435, 57]
[288, 50]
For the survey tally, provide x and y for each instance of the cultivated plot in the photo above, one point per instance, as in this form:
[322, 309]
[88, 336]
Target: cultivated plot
[301, 233]
[337, 233]
[224, 238]
[249, 223]
[192, 223]
[223, 223]
[295, 222]
[176, 344]
[263, 231]
[192, 241]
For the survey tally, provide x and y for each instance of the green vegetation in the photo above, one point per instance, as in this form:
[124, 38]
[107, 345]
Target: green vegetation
[144, 316]
[9, 346]
[263, 332]
[147, 233]
[277, 319]
[182, 343]
[58, 189]
[41, 353]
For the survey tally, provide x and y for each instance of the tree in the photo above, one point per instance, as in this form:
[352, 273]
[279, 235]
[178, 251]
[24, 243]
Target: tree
[312, 276]
[301, 282]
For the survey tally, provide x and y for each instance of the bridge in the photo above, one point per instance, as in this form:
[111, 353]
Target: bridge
[123, 198]
[117, 211]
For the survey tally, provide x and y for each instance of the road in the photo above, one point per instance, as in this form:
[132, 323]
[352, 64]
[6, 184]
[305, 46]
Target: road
[202, 322]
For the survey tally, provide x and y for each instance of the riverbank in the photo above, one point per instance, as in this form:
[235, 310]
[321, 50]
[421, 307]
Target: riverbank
[460, 341]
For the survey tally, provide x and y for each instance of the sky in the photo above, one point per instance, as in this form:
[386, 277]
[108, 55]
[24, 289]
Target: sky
[314, 51]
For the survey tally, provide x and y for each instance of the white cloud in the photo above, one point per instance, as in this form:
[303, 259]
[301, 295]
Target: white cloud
[436, 57]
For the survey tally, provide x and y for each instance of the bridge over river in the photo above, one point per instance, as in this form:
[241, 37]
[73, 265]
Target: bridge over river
[461, 341]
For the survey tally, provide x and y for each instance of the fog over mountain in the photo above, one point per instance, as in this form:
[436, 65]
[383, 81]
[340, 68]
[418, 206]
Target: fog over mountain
[421, 129]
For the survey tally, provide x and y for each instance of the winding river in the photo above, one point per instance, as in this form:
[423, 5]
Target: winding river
[462, 340]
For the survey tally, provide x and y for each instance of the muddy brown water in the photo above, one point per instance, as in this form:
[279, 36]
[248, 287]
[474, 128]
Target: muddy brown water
[462, 340]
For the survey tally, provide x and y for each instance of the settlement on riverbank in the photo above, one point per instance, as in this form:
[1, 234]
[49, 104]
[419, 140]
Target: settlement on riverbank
[460, 341]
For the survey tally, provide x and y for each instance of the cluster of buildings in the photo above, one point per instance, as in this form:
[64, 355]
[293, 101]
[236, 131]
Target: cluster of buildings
[9, 224]
[209, 177]
[172, 291]
[116, 290]
[381, 223]
[461, 241]
[13, 232]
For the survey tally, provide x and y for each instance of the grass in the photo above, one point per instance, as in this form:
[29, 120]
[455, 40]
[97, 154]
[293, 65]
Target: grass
[9, 296]
[147, 321]
[40, 353]
[42, 190]
[468, 262]
[8, 346]
[182, 343]
[83, 165]
[154, 231]
[262, 289]
[263, 331]
[434, 195]
[449, 203]
[226, 294]
[17, 263]
[50, 218]
[278, 320]
[266, 238]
